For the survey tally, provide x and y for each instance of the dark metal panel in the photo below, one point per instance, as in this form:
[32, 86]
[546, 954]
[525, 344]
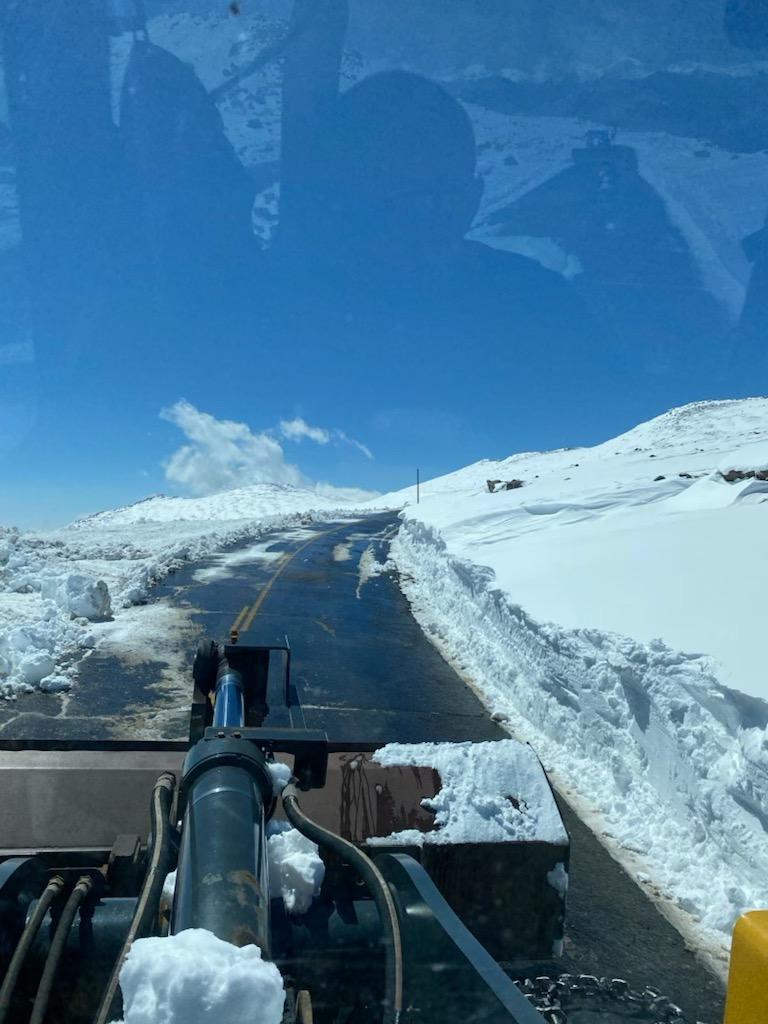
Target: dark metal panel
[77, 799]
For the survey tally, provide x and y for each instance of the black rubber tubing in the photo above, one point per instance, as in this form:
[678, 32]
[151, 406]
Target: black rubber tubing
[393, 964]
[58, 944]
[149, 898]
[31, 929]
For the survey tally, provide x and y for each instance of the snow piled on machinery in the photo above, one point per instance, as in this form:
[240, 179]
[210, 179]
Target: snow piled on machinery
[194, 977]
[609, 610]
[491, 792]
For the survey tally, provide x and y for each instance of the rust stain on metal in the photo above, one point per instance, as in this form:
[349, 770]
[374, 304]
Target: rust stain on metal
[246, 887]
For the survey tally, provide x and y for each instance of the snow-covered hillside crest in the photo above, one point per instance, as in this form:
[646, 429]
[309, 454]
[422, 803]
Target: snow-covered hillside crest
[569, 603]
[62, 590]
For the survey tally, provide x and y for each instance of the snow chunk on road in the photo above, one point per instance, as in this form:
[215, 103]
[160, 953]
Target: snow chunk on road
[492, 792]
[35, 666]
[295, 865]
[79, 595]
[194, 977]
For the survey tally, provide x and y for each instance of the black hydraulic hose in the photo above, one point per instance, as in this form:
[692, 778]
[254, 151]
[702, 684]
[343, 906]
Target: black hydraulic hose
[393, 950]
[58, 944]
[149, 898]
[31, 929]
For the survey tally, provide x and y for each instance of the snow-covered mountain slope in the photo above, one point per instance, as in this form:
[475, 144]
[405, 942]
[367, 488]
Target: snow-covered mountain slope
[640, 535]
[250, 502]
[604, 609]
[62, 591]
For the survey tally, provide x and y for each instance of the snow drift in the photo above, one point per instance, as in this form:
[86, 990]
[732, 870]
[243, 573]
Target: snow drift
[608, 610]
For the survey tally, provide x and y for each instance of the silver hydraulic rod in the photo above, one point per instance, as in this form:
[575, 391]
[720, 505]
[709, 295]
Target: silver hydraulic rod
[229, 703]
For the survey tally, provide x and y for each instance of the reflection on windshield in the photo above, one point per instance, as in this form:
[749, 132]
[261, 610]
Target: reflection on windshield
[540, 204]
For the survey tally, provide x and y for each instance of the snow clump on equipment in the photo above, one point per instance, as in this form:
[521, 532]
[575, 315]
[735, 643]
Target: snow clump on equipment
[294, 864]
[492, 792]
[281, 775]
[195, 977]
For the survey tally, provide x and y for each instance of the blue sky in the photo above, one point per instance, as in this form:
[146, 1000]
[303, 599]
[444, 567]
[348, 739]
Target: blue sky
[72, 451]
[425, 350]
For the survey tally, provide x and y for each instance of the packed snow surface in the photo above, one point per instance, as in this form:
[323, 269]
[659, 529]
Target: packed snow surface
[194, 977]
[295, 866]
[63, 591]
[489, 793]
[611, 610]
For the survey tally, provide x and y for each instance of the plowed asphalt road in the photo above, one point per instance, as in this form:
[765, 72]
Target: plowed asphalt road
[363, 671]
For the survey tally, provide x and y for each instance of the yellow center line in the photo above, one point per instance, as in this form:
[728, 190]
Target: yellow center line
[239, 620]
[288, 557]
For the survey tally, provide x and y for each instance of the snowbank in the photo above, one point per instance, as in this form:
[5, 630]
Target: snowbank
[194, 977]
[489, 793]
[59, 588]
[569, 603]
[640, 535]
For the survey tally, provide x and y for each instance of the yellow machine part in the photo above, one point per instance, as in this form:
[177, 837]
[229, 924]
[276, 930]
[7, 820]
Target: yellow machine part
[747, 1000]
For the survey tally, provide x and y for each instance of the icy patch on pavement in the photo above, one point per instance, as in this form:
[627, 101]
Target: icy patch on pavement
[194, 977]
[341, 553]
[368, 569]
[491, 792]
[228, 561]
[294, 865]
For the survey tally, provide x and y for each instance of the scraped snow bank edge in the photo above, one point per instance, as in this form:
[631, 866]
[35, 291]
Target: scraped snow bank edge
[640, 734]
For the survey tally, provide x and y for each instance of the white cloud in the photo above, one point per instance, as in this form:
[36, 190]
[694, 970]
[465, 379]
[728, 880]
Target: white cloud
[223, 454]
[355, 444]
[296, 429]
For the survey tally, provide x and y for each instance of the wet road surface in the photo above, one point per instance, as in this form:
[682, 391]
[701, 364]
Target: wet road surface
[363, 671]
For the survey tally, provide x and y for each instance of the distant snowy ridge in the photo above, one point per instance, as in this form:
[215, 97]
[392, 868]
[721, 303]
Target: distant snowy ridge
[551, 598]
[58, 587]
[247, 502]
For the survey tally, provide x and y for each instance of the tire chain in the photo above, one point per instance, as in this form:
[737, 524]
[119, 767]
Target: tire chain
[552, 996]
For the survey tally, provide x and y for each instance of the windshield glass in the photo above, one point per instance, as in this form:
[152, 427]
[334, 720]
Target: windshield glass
[497, 226]
[413, 346]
